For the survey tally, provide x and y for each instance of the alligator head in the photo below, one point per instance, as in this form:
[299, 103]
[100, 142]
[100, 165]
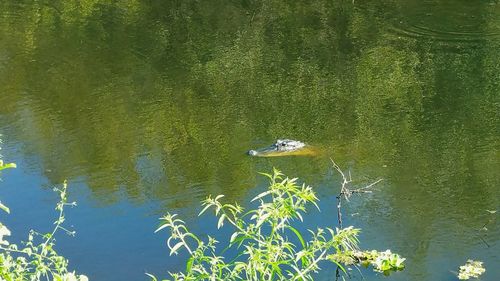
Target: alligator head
[281, 147]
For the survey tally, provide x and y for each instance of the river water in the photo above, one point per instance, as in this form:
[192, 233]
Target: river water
[147, 107]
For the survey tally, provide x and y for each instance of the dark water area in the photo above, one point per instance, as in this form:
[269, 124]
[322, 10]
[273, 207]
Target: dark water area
[147, 107]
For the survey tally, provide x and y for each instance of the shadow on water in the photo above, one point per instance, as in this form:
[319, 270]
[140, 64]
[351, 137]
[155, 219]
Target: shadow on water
[150, 107]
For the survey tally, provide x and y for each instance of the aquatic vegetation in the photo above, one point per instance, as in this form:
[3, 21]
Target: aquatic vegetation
[383, 261]
[471, 269]
[268, 245]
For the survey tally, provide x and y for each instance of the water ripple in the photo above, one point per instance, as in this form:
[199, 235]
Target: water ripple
[462, 22]
[433, 33]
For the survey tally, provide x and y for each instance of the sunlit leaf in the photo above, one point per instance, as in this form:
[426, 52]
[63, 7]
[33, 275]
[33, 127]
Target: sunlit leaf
[5, 208]
[261, 195]
[189, 264]
[153, 278]
[220, 223]
[176, 247]
[233, 237]
[299, 236]
[204, 209]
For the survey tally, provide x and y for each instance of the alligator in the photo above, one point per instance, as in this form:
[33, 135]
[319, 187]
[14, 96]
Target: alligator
[283, 148]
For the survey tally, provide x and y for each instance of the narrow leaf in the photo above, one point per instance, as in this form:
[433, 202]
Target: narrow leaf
[175, 248]
[233, 237]
[204, 209]
[189, 264]
[261, 195]
[5, 208]
[297, 233]
[153, 278]
[221, 221]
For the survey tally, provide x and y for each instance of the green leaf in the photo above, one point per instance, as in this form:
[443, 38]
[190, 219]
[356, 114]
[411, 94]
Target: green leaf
[297, 233]
[220, 223]
[189, 264]
[7, 166]
[176, 247]
[266, 175]
[233, 237]
[189, 234]
[162, 226]
[204, 209]
[241, 239]
[5, 208]
[262, 219]
[276, 269]
[261, 195]
[340, 266]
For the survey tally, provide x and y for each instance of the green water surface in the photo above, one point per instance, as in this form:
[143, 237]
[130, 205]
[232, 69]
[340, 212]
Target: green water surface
[149, 106]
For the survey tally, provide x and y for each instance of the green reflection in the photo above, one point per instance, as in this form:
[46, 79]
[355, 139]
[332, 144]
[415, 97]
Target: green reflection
[160, 100]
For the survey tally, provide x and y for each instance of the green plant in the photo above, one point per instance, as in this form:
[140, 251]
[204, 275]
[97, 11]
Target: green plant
[471, 269]
[36, 259]
[4, 166]
[384, 262]
[268, 246]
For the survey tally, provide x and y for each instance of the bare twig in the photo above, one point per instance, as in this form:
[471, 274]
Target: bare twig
[346, 193]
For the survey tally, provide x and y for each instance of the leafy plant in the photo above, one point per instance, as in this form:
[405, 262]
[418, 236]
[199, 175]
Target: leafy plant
[268, 246]
[36, 259]
[385, 262]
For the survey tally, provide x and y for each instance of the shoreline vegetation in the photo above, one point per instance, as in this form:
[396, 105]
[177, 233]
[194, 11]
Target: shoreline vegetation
[36, 259]
[266, 243]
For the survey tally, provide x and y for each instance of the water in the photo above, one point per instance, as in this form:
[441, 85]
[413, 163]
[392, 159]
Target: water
[147, 108]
